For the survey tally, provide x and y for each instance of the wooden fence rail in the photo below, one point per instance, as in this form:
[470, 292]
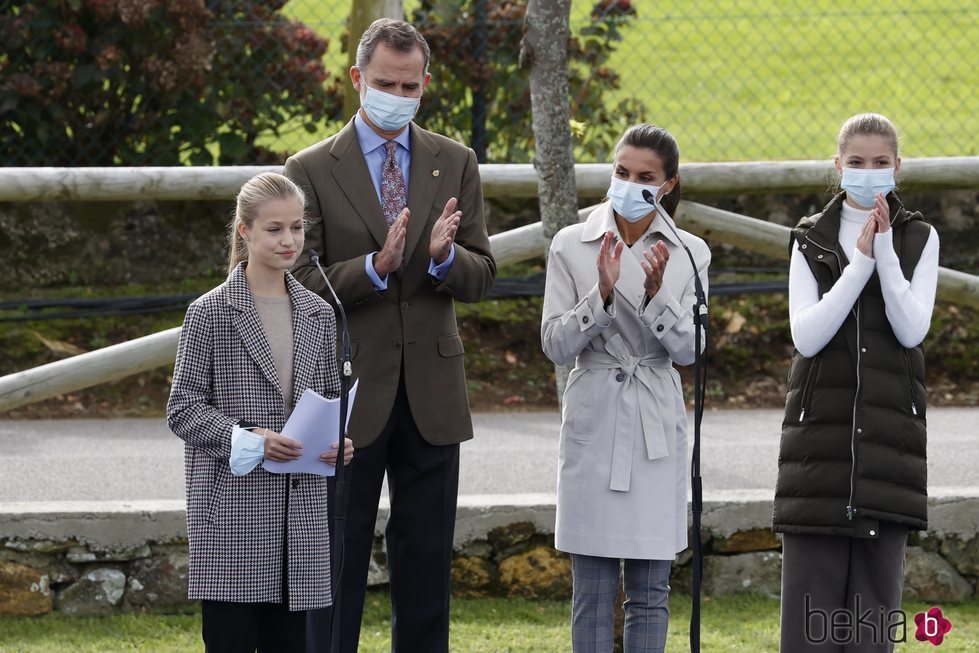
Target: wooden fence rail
[157, 350]
[499, 179]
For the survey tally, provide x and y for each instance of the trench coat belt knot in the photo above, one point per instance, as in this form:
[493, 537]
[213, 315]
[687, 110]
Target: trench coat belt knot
[645, 399]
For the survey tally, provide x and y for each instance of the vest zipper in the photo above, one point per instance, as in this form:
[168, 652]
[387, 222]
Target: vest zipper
[851, 510]
[807, 390]
[914, 406]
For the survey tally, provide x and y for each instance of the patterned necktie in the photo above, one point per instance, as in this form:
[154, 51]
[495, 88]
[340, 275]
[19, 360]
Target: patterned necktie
[392, 186]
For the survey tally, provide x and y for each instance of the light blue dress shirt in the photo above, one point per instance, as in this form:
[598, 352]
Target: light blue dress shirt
[372, 145]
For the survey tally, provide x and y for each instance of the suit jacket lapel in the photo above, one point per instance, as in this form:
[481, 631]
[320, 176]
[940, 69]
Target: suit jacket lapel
[424, 179]
[249, 326]
[308, 333]
[354, 179]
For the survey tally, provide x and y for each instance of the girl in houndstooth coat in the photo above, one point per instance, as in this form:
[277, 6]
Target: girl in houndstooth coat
[259, 542]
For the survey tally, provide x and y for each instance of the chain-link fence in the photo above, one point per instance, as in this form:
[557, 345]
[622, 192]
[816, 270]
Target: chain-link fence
[155, 82]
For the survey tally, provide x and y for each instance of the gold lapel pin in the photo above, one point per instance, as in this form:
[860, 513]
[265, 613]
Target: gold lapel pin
[435, 173]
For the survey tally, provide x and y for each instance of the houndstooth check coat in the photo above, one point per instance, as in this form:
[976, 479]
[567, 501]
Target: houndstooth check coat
[237, 525]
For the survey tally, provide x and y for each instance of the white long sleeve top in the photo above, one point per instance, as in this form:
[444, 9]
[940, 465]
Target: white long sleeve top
[908, 305]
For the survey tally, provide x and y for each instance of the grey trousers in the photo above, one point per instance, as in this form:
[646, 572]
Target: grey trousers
[841, 593]
[596, 585]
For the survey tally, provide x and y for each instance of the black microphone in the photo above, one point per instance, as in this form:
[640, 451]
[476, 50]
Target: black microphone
[701, 308]
[700, 385]
[347, 367]
[340, 514]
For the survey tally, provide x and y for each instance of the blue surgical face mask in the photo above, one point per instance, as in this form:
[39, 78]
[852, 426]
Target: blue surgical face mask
[627, 199]
[387, 111]
[863, 184]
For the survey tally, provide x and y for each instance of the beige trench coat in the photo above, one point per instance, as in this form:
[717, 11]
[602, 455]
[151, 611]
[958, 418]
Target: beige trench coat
[622, 470]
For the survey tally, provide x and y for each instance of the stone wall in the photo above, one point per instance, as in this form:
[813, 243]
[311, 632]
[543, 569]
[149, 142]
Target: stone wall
[97, 558]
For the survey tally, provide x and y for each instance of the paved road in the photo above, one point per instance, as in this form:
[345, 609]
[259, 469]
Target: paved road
[514, 453]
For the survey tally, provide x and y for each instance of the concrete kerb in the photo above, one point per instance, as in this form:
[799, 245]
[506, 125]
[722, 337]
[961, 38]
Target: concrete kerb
[101, 525]
[111, 525]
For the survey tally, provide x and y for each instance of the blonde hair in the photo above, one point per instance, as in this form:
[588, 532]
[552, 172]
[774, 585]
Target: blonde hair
[872, 124]
[254, 193]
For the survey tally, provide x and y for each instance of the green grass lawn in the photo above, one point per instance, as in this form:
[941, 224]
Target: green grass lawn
[739, 80]
[478, 626]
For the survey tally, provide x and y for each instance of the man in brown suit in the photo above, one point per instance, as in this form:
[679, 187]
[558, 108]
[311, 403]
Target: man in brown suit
[397, 217]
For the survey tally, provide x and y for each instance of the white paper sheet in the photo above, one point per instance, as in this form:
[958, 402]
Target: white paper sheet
[315, 422]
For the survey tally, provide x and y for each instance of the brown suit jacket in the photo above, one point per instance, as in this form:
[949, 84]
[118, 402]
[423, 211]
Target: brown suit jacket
[414, 319]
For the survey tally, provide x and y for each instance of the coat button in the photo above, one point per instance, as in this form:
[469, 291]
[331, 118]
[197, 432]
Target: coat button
[863, 349]
[295, 482]
[404, 306]
[659, 327]
[397, 344]
[804, 246]
[584, 320]
[873, 532]
[819, 256]
[859, 431]
[620, 377]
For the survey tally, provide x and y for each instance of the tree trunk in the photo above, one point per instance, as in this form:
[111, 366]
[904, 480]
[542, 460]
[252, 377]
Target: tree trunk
[544, 55]
[362, 14]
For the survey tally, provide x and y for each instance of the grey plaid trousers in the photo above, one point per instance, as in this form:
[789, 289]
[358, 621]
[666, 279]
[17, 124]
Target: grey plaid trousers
[596, 585]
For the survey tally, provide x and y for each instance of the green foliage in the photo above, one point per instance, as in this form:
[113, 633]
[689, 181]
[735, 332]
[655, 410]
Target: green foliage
[24, 349]
[457, 72]
[951, 343]
[511, 310]
[103, 82]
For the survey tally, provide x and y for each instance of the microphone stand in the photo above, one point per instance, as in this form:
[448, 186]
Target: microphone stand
[340, 505]
[700, 385]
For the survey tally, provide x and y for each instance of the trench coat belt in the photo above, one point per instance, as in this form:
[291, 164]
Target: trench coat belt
[645, 400]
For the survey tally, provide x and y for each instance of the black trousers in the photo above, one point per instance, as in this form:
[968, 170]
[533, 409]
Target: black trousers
[841, 593]
[423, 484]
[249, 627]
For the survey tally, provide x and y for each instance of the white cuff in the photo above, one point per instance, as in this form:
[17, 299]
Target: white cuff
[862, 264]
[247, 450]
[884, 247]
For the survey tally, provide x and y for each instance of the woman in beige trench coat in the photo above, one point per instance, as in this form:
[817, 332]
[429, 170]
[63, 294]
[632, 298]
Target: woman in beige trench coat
[618, 303]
